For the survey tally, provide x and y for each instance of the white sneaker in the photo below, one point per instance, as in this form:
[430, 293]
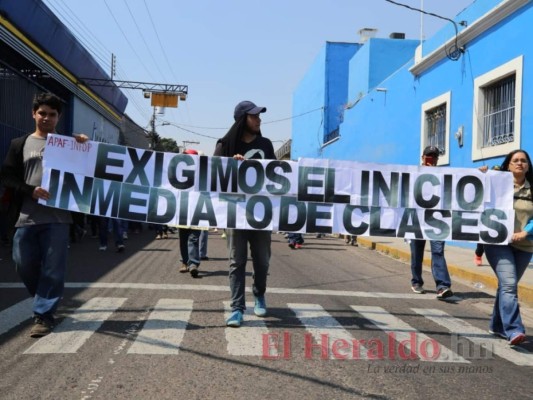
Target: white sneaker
[102, 248]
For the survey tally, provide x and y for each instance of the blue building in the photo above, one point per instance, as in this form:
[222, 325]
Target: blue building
[467, 90]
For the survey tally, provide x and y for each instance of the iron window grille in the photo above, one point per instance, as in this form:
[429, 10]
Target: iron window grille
[499, 112]
[436, 128]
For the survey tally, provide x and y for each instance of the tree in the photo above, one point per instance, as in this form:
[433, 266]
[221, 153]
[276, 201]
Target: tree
[168, 145]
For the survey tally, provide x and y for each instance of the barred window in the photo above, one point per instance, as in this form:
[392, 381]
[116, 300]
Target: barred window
[498, 114]
[436, 128]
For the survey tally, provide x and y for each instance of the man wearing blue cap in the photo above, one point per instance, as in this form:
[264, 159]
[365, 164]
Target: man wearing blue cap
[244, 142]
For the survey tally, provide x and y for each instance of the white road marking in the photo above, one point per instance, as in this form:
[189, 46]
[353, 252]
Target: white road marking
[248, 339]
[326, 331]
[495, 345]
[425, 348]
[165, 328]
[77, 328]
[225, 288]
[15, 315]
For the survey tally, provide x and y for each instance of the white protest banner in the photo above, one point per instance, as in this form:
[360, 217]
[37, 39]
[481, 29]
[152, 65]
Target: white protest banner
[311, 195]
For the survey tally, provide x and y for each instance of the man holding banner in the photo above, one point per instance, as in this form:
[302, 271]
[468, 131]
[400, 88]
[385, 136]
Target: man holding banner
[242, 142]
[40, 242]
[439, 268]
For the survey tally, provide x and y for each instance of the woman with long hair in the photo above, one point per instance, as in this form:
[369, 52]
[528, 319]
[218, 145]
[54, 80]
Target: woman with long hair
[511, 261]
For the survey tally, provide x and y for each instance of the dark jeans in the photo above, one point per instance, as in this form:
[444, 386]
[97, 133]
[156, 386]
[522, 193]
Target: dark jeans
[260, 242]
[116, 228]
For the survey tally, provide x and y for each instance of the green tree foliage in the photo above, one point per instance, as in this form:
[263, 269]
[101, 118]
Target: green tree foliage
[167, 145]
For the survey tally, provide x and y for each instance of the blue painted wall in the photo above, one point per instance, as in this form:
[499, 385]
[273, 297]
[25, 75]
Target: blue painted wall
[323, 89]
[383, 125]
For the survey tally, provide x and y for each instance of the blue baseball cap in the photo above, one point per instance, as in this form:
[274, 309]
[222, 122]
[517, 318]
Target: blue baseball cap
[247, 107]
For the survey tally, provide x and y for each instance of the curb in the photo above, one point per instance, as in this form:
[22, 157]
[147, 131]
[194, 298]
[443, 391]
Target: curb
[525, 291]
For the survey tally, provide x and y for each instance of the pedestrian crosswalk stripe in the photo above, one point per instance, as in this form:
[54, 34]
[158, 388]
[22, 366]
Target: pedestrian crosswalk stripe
[215, 288]
[165, 328]
[495, 345]
[325, 329]
[15, 315]
[77, 328]
[405, 333]
[248, 339]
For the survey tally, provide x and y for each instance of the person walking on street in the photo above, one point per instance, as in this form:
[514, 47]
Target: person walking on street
[439, 268]
[242, 142]
[40, 242]
[204, 238]
[478, 254]
[296, 240]
[511, 261]
[189, 238]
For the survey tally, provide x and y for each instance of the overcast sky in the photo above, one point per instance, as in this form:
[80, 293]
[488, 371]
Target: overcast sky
[230, 50]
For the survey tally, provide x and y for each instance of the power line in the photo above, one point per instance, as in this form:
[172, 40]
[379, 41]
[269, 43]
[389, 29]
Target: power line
[143, 39]
[455, 51]
[126, 37]
[263, 123]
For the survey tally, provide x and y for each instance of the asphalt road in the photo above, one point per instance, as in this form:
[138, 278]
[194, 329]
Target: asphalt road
[342, 324]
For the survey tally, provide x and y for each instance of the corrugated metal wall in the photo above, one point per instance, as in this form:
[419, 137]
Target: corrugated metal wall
[16, 97]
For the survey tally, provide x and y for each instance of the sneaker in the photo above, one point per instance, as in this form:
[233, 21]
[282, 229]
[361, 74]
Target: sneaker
[235, 319]
[260, 306]
[292, 245]
[102, 248]
[121, 248]
[517, 338]
[165, 235]
[205, 258]
[478, 260]
[159, 236]
[297, 246]
[41, 327]
[418, 289]
[499, 334]
[444, 293]
[184, 268]
[193, 269]
[223, 236]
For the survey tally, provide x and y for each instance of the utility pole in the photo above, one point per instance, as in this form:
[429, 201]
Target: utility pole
[154, 138]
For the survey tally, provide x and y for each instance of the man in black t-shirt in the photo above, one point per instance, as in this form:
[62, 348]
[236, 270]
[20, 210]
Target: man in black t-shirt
[244, 142]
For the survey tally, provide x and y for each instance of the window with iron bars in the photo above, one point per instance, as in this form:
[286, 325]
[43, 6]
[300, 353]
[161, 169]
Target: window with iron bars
[436, 128]
[499, 112]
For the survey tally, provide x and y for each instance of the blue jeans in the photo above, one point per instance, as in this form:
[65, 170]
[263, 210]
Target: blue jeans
[260, 249]
[40, 255]
[509, 264]
[204, 236]
[189, 249]
[116, 225]
[439, 268]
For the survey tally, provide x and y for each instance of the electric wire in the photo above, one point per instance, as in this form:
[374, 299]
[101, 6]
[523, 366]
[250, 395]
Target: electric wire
[454, 52]
[127, 40]
[143, 39]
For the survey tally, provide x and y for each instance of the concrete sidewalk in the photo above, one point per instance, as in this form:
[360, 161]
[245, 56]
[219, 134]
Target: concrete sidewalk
[460, 264]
